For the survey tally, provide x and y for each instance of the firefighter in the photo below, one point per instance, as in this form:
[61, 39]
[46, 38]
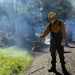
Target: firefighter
[58, 35]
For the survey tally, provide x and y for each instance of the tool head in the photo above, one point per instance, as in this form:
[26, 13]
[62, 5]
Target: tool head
[33, 48]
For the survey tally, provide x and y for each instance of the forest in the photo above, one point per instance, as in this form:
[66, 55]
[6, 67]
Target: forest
[21, 24]
[23, 21]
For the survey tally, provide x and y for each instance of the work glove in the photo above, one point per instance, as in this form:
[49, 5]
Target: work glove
[40, 39]
[63, 42]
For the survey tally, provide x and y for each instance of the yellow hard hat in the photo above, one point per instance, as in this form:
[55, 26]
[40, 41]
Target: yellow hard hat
[51, 14]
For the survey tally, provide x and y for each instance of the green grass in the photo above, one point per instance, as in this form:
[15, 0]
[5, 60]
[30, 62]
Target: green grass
[13, 60]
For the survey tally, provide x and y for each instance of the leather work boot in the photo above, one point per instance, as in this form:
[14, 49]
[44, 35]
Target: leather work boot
[65, 71]
[53, 69]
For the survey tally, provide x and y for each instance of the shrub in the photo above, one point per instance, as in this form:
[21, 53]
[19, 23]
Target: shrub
[13, 60]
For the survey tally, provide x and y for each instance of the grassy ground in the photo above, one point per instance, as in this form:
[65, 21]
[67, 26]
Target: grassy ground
[13, 60]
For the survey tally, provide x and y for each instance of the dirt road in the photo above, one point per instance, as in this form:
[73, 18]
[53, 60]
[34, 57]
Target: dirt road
[41, 62]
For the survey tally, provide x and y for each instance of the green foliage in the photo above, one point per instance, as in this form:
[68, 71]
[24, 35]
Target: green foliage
[13, 60]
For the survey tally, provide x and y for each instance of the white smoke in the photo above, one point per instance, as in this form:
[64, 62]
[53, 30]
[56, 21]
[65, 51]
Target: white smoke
[19, 18]
[70, 22]
[73, 4]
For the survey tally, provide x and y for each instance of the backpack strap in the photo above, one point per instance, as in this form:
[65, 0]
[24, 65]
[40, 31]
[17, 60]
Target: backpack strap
[50, 26]
[59, 23]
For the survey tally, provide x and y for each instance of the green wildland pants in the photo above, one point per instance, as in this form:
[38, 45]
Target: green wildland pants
[60, 49]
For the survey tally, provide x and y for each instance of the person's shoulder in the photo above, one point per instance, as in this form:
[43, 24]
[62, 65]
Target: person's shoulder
[48, 24]
[62, 22]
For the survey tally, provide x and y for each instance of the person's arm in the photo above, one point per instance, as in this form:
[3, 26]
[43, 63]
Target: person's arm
[63, 34]
[63, 30]
[46, 32]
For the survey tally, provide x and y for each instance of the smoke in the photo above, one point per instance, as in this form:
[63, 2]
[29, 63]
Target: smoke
[73, 4]
[19, 21]
[22, 21]
[70, 25]
[70, 22]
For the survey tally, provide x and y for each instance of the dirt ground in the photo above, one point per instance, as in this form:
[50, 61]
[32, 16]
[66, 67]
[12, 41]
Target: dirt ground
[42, 62]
